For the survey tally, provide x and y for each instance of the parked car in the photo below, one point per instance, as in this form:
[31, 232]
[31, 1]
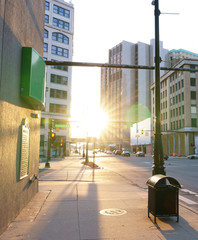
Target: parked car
[140, 154]
[118, 152]
[109, 152]
[126, 154]
[193, 156]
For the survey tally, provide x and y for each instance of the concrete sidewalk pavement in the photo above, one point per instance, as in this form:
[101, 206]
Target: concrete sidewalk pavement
[76, 202]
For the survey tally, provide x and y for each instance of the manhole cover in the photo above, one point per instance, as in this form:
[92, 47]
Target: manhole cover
[113, 212]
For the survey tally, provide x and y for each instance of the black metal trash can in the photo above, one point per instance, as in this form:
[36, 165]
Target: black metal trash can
[163, 196]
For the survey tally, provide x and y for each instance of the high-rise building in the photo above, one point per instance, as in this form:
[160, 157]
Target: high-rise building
[125, 93]
[179, 109]
[58, 46]
[175, 55]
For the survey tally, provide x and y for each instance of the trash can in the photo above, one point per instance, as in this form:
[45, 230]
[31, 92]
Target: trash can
[163, 196]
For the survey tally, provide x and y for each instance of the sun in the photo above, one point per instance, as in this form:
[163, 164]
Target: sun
[95, 121]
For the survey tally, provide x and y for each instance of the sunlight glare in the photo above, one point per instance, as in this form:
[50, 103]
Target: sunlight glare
[95, 122]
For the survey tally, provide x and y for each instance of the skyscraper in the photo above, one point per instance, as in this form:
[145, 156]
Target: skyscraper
[125, 93]
[58, 46]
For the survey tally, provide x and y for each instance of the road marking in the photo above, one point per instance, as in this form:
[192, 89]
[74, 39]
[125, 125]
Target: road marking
[186, 200]
[188, 191]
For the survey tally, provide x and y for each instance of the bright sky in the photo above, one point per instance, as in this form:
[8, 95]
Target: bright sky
[101, 24]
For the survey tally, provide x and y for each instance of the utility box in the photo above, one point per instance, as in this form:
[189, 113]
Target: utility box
[33, 78]
[163, 196]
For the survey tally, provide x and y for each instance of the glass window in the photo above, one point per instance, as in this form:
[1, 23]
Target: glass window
[179, 110]
[182, 96]
[42, 122]
[47, 5]
[46, 18]
[192, 81]
[182, 81]
[60, 51]
[45, 47]
[192, 67]
[59, 79]
[45, 33]
[57, 108]
[42, 141]
[193, 109]
[61, 24]
[193, 95]
[55, 93]
[60, 37]
[182, 109]
[61, 11]
[193, 122]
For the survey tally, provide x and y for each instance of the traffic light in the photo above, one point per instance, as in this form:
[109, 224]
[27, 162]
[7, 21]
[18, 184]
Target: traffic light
[52, 135]
[142, 131]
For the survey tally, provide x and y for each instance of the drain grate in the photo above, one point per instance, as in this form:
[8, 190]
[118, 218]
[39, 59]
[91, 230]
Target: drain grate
[113, 212]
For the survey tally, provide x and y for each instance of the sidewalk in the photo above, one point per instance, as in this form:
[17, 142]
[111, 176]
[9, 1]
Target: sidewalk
[69, 201]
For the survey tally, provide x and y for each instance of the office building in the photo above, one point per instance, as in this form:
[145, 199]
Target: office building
[179, 109]
[58, 46]
[125, 93]
[175, 55]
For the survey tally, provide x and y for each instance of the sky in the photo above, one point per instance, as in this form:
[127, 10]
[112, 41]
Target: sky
[100, 25]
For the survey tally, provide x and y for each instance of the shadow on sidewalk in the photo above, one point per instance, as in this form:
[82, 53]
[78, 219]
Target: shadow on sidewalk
[70, 211]
[173, 230]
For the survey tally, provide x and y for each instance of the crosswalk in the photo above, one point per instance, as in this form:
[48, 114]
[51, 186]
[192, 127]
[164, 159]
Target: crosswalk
[186, 199]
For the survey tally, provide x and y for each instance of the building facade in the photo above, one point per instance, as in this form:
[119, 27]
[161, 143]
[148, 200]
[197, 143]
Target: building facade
[179, 108]
[21, 25]
[175, 55]
[125, 93]
[58, 46]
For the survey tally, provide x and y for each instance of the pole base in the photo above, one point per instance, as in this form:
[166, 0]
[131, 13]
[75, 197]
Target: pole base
[47, 165]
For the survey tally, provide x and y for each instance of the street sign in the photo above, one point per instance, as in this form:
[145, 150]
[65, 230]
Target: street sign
[62, 126]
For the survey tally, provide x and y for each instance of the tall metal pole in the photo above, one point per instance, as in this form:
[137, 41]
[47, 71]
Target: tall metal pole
[47, 164]
[158, 164]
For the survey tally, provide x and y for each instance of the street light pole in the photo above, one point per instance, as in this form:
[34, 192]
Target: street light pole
[158, 163]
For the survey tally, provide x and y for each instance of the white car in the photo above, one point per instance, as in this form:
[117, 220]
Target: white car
[193, 156]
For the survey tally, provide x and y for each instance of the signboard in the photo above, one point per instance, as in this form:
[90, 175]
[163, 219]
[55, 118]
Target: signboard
[62, 125]
[140, 133]
[24, 152]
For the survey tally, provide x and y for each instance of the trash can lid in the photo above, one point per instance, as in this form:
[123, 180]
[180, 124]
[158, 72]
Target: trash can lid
[158, 179]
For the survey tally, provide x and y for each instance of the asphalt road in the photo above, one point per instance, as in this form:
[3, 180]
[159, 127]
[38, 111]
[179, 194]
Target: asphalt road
[138, 170]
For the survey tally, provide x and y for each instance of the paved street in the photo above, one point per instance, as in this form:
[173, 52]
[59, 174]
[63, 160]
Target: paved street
[76, 202]
[138, 170]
